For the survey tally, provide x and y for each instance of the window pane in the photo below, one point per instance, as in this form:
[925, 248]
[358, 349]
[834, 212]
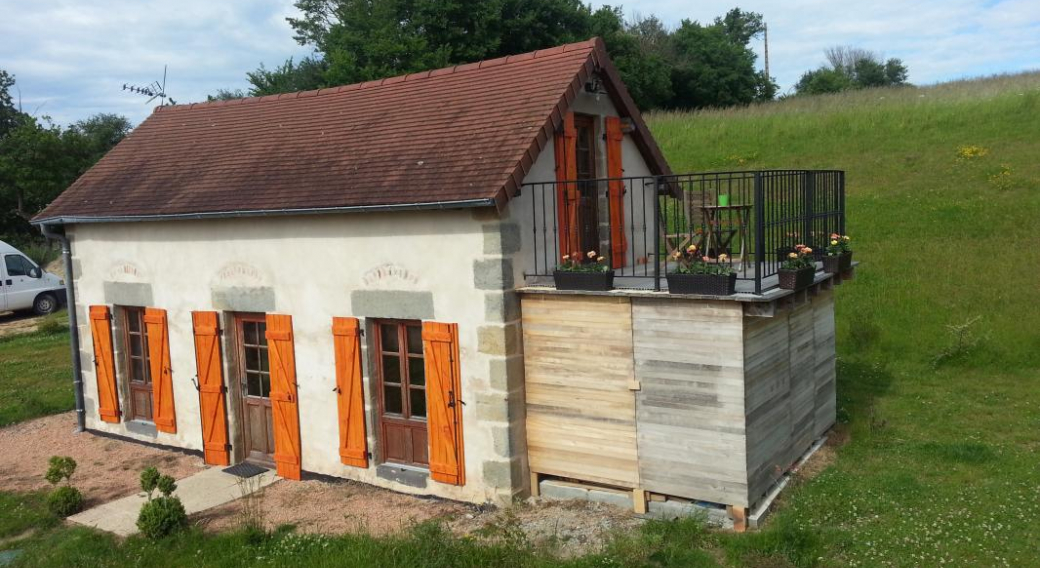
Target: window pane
[415, 339]
[417, 398]
[136, 347]
[252, 359]
[391, 369]
[265, 361]
[249, 333]
[133, 321]
[392, 399]
[15, 267]
[136, 370]
[261, 333]
[265, 385]
[252, 384]
[416, 371]
[388, 337]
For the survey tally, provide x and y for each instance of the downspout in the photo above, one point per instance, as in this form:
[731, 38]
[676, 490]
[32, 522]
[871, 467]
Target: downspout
[70, 296]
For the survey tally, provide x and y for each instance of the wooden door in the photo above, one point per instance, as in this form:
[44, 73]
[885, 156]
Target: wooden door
[138, 365]
[585, 155]
[255, 375]
[401, 378]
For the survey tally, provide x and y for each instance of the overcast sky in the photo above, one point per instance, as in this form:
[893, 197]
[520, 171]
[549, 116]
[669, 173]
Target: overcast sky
[71, 57]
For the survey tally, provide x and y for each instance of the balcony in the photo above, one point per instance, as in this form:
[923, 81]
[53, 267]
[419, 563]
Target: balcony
[754, 217]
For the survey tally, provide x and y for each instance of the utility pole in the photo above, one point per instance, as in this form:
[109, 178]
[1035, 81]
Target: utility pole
[765, 33]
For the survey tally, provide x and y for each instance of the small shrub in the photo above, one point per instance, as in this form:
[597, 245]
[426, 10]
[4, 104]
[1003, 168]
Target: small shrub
[162, 515]
[51, 324]
[963, 343]
[64, 501]
[41, 253]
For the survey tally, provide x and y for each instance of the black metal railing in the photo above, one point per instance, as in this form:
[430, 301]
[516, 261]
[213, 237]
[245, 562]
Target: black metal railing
[755, 218]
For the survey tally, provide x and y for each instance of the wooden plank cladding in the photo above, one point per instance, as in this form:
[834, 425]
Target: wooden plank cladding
[675, 396]
[578, 368]
[690, 408]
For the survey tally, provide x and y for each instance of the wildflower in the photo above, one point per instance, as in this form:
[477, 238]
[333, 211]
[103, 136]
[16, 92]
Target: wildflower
[591, 254]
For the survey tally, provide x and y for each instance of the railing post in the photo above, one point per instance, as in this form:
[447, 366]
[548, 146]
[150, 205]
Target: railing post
[841, 203]
[760, 231]
[809, 193]
[657, 233]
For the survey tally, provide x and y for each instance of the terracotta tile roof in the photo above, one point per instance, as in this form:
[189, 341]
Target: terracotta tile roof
[464, 135]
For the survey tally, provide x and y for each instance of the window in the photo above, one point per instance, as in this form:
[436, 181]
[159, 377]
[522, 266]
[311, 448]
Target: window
[17, 265]
[401, 384]
[138, 364]
[255, 365]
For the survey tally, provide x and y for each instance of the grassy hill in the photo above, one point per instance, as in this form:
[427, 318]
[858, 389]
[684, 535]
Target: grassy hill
[943, 204]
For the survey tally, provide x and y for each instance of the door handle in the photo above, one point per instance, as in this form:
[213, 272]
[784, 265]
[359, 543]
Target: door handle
[8, 282]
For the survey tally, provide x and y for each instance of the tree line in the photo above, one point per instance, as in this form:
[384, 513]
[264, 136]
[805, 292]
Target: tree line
[693, 65]
[39, 159]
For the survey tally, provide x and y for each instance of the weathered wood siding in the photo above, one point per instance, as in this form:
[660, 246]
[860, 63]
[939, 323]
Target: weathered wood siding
[690, 407]
[789, 380]
[579, 367]
[826, 393]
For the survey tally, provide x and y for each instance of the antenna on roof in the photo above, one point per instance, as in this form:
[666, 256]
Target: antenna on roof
[155, 90]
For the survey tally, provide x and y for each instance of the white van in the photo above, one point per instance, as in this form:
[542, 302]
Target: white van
[25, 286]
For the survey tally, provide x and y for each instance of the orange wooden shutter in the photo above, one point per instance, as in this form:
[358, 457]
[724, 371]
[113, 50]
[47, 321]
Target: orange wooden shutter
[284, 404]
[443, 403]
[346, 337]
[104, 365]
[163, 413]
[616, 192]
[211, 388]
[567, 195]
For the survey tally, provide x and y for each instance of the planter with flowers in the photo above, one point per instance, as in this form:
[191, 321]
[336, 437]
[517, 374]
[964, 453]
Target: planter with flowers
[839, 254]
[588, 272]
[798, 270]
[699, 274]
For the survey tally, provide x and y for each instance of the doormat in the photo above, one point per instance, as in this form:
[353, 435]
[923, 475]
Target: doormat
[245, 470]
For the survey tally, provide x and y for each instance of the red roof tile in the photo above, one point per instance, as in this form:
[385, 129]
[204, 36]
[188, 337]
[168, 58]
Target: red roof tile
[462, 136]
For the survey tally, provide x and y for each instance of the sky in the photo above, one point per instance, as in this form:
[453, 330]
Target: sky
[71, 57]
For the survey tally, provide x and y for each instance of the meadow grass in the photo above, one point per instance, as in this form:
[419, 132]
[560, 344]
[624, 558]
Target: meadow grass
[943, 422]
[35, 372]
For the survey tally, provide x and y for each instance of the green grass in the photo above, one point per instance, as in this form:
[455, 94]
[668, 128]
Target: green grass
[35, 372]
[944, 458]
[942, 467]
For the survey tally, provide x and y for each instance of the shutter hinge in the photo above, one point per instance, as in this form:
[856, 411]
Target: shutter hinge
[227, 447]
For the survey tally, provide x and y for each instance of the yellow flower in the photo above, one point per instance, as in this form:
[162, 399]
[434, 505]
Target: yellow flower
[834, 242]
[691, 248]
[723, 257]
[591, 254]
[676, 255]
[792, 255]
[847, 238]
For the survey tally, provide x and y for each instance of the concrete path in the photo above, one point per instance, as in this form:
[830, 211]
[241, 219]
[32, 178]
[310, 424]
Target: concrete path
[204, 490]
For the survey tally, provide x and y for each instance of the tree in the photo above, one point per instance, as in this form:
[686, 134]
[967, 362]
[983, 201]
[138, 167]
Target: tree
[852, 68]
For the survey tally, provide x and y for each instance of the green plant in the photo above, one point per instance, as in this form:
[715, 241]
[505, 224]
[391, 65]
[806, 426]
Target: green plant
[164, 514]
[41, 253]
[64, 501]
[839, 244]
[801, 257]
[691, 261]
[52, 324]
[589, 262]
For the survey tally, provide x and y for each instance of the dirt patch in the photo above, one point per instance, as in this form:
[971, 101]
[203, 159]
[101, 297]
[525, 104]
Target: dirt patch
[333, 508]
[826, 455]
[107, 469]
[17, 324]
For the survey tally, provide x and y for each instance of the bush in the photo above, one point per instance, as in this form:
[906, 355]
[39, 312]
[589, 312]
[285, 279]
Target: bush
[60, 468]
[161, 516]
[64, 501]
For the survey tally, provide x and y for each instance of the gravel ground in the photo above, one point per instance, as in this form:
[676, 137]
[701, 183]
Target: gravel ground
[17, 324]
[107, 469]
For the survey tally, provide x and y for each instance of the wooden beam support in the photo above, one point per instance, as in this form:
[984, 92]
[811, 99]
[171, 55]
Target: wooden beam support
[739, 516]
[639, 501]
[535, 490]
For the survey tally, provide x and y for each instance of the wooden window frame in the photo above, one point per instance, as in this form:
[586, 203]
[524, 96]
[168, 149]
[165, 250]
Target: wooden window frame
[586, 121]
[404, 356]
[135, 382]
[240, 353]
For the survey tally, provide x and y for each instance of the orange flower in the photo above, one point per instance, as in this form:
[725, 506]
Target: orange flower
[600, 258]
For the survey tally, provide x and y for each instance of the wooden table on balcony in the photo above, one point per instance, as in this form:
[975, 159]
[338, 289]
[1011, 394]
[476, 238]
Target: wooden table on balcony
[723, 236]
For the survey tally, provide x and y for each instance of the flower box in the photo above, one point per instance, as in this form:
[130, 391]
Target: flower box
[833, 264]
[589, 281]
[707, 284]
[797, 279]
